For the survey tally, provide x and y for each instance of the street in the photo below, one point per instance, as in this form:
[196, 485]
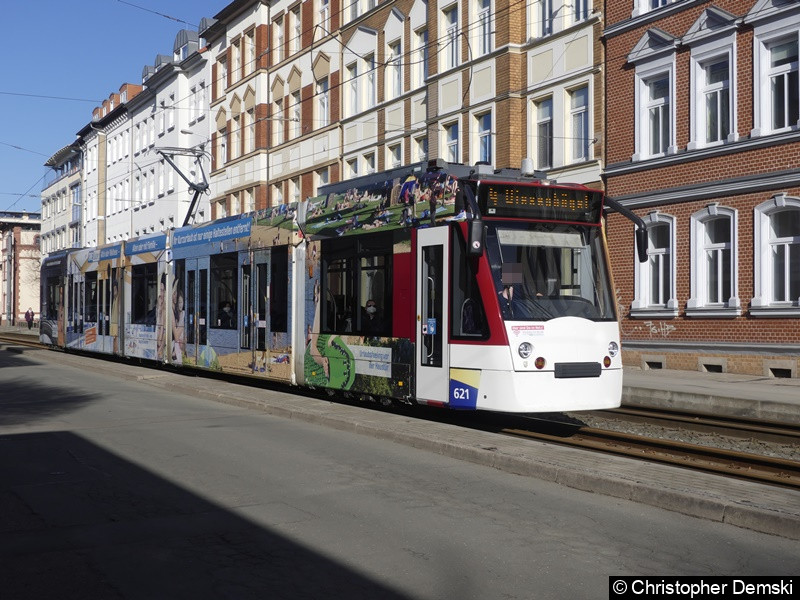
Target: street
[116, 488]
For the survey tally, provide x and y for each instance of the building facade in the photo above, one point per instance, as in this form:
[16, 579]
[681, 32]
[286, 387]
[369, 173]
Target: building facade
[703, 142]
[19, 265]
[62, 201]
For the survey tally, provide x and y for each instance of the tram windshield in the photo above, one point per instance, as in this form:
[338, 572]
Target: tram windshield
[546, 271]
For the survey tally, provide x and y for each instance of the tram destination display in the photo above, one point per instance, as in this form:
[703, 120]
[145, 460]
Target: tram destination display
[531, 201]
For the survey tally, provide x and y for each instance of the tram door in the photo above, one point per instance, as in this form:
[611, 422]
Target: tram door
[260, 307]
[432, 353]
[195, 317]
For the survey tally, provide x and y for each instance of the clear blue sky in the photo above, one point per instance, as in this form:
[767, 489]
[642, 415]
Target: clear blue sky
[64, 58]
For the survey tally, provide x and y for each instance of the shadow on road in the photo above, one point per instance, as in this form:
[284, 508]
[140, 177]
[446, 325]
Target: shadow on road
[79, 522]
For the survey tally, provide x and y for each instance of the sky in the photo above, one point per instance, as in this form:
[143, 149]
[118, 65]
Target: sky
[63, 60]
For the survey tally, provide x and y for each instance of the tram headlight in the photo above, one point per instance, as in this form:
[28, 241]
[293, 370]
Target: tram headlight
[525, 349]
[613, 349]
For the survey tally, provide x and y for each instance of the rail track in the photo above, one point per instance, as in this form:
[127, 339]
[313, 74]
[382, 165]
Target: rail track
[732, 463]
[563, 430]
[20, 339]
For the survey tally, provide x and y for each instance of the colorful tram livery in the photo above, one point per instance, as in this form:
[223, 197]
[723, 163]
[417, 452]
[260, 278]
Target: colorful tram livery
[440, 284]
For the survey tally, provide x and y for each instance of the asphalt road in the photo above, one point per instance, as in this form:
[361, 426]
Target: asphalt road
[117, 489]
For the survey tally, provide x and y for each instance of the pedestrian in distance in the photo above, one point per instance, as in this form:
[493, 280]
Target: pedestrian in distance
[29, 317]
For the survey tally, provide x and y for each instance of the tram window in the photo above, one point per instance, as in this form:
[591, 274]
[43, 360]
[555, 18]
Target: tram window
[279, 290]
[90, 305]
[468, 314]
[223, 291]
[357, 274]
[144, 292]
[53, 298]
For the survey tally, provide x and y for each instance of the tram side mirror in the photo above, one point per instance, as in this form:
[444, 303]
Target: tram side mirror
[641, 243]
[476, 238]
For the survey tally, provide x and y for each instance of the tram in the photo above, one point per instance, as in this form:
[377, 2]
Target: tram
[439, 284]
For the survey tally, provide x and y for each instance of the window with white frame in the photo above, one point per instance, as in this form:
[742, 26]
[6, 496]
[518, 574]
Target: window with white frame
[579, 123]
[222, 146]
[297, 29]
[278, 125]
[369, 163]
[712, 100]
[324, 15]
[247, 202]
[394, 155]
[323, 100]
[484, 130]
[236, 60]
[352, 88]
[352, 167]
[655, 278]
[353, 8]
[777, 255]
[250, 129]
[171, 112]
[714, 262]
[451, 142]
[450, 36]
[421, 148]
[277, 34]
[250, 51]
[295, 189]
[645, 6]
[236, 148]
[483, 30]
[420, 57]
[544, 133]
[658, 111]
[321, 178]
[394, 73]
[783, 83]
[580, 10]
[223, 74]
[371, 91]
[296, 123]
[277, 194]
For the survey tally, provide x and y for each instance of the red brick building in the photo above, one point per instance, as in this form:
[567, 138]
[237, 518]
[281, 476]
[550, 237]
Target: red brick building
[703, 142]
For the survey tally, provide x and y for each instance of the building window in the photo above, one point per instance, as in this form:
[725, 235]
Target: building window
[323, 113]
[421, 148]
[324, 16]
[277, 28]
[450, 36]
[250, 129]
[717, 103]
[352, 167]
[655, 278]
[352, 88]
[579, 120]
[783, 82]
[714, 262]
[546, 15]
[484, 123]
[484, 29]
[777, 257]
[580, 10]
[369, 163]
[237, 136]
[277, 194]
[658, 115]
[278, 125]
[451, 142]
[296, 123]
[297, 29]
[222, 146]
[371, 91]
[544, 134]
[250, 51]
[394, 156]
[322, 178]
[394, 73]
[421, 57]
[295, 189]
